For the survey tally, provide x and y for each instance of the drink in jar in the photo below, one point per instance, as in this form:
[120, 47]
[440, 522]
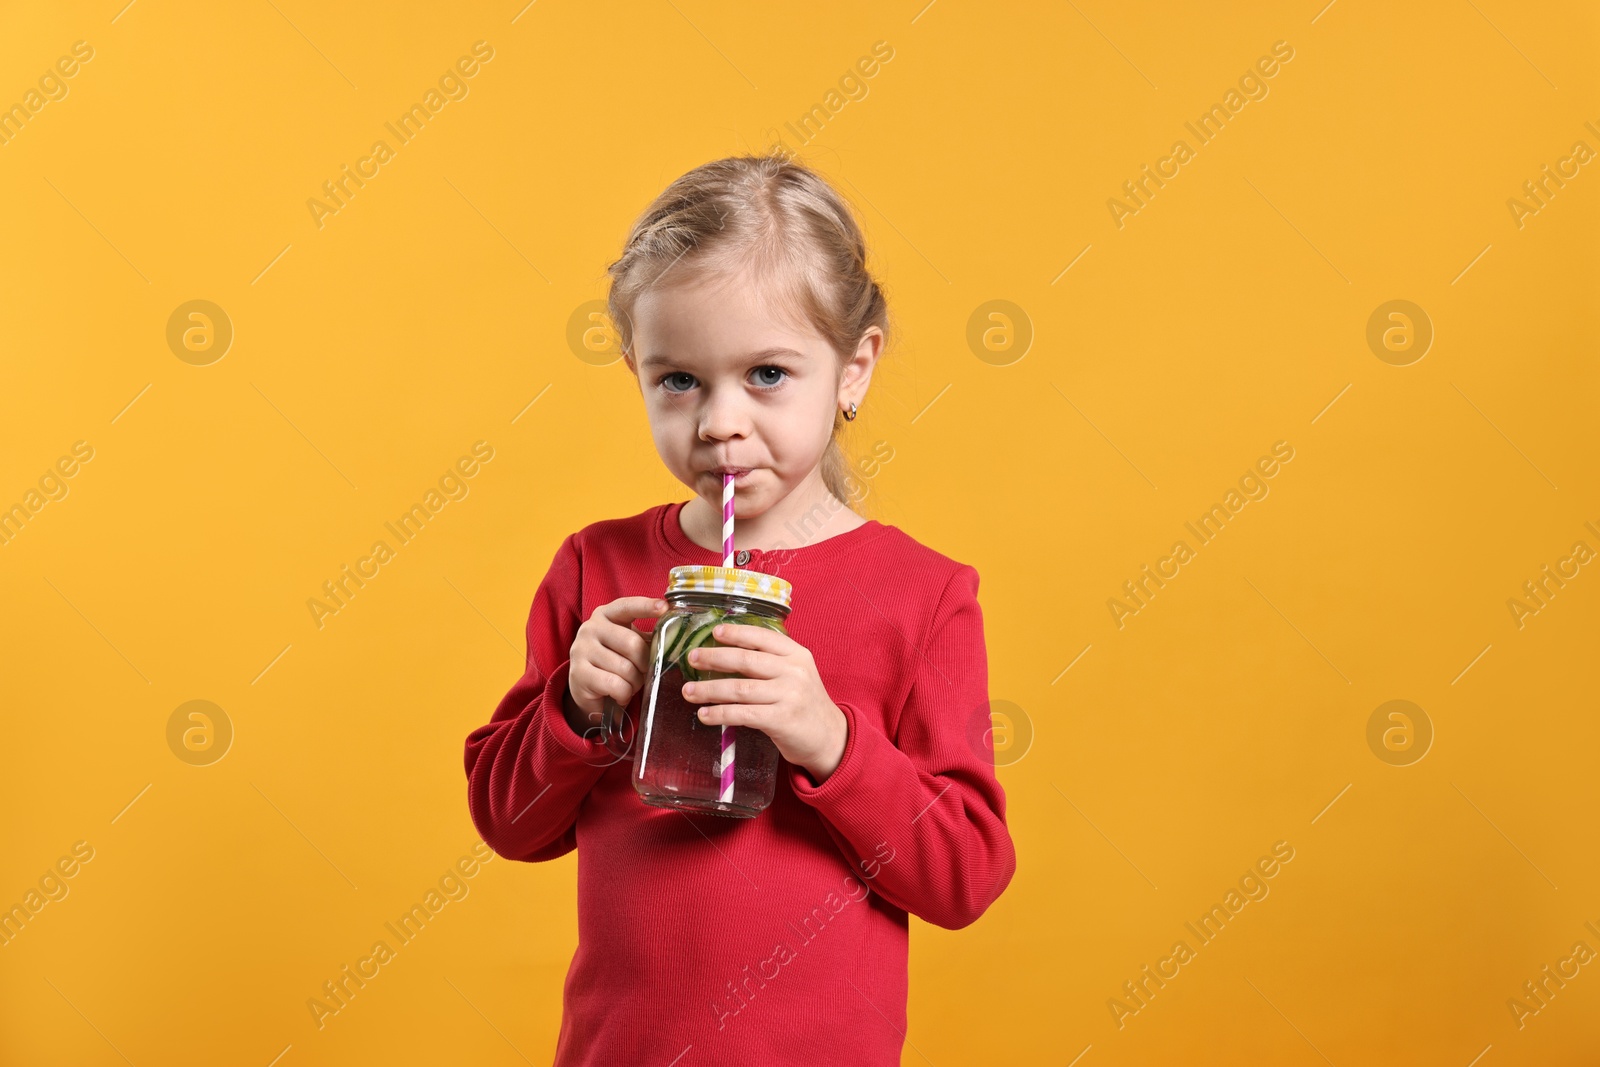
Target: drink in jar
[679, 761]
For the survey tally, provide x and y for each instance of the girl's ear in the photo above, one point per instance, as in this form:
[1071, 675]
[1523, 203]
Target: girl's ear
[859, 368]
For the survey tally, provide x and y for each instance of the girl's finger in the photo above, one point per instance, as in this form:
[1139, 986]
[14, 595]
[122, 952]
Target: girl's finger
[744, 635]
[628, 608]
[745, 661]
[730, 691]
[622, 667]
[627, 642]
[753, 715]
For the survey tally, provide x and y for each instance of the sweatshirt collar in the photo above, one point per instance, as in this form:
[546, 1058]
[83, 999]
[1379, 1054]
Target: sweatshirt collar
[669, 532]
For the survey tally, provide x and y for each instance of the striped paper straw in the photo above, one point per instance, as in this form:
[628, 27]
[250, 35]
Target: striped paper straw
[725, 765]
[727, 520]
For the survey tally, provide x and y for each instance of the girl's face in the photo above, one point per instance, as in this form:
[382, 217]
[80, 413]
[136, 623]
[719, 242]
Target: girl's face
[731, 381]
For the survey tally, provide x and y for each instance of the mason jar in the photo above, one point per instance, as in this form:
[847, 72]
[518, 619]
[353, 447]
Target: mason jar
[679, 761]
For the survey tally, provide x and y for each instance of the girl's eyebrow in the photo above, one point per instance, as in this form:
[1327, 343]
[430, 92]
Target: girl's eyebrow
[769, 353]
[753, 357]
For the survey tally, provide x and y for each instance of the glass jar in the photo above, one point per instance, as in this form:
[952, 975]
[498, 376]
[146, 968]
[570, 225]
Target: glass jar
[679, 761]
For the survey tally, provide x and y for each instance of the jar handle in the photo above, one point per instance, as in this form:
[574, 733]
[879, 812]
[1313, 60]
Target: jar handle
[613, 728]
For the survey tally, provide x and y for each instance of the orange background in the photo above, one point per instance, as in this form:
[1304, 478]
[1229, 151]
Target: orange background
[1163, 357]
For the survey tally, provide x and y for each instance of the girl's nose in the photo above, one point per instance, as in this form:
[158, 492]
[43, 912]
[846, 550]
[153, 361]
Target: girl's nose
[724, 416]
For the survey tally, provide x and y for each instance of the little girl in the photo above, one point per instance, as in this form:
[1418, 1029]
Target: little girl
[747, 315]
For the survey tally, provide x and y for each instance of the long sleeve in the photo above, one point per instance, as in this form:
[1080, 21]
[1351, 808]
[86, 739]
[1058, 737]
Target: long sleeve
[527, 771]
[924, 811]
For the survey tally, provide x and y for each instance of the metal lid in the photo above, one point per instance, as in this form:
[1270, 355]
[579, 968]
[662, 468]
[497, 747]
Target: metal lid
[730, 580]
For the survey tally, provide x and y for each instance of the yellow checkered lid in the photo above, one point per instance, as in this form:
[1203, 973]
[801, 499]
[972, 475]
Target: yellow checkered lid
[732, 580]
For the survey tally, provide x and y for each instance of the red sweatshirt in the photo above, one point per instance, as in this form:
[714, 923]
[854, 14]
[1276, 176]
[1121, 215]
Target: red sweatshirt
[780, 939]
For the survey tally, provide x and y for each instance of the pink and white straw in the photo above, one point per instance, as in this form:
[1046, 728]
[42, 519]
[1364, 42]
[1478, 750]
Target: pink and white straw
[725, 764]
[727, 520]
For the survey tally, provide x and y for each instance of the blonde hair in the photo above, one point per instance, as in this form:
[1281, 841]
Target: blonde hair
[771, 218]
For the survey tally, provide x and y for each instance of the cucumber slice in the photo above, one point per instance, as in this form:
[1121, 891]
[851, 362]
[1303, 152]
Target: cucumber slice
[672, 638]
[696, 633]
[668, 634]
[701, 636]
[758, 620]
[686, 627]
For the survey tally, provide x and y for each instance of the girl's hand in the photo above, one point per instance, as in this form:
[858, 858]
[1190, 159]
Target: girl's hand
[780, 694]
[609, 659]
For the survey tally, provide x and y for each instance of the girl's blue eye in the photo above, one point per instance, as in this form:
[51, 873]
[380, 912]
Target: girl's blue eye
[763, 379]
